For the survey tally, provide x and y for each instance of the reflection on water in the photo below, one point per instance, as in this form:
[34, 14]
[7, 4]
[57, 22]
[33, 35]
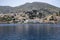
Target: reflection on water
[30, 32]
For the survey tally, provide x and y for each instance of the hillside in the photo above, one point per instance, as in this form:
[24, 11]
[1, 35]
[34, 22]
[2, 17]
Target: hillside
[36, 5]
[29, 6]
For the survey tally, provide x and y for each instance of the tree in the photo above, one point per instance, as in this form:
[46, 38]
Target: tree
[40, 15]
[59, 13]
[5, 18]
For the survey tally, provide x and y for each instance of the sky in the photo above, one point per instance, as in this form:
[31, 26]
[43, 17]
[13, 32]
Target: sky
[14, 3]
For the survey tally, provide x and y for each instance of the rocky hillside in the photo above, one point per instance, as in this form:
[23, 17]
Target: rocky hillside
[30, 6]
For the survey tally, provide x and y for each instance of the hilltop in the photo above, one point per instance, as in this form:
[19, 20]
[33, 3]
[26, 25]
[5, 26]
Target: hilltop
[28, 7]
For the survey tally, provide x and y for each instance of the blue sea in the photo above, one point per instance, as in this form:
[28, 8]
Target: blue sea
[29, 31]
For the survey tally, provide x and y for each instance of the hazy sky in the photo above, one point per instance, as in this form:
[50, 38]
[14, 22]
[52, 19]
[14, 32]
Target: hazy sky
[20, 2]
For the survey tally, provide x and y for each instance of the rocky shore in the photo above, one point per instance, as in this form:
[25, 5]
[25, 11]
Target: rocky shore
[27, 17]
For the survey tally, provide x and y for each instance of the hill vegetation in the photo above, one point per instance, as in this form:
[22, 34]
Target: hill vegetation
[28, 7]
[33, 12]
